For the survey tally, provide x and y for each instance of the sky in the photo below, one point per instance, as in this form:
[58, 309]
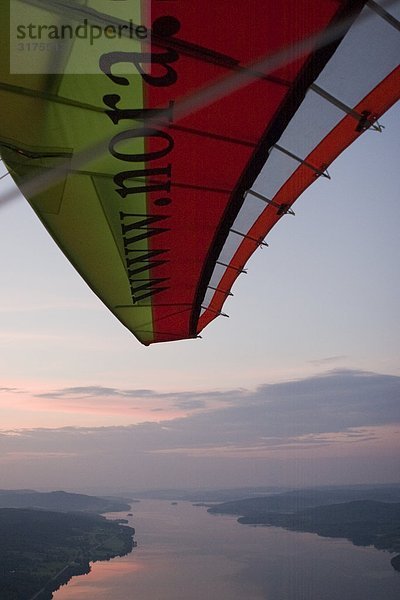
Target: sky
[300, 386]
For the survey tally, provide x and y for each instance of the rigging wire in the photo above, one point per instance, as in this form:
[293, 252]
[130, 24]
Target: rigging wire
[199, 99]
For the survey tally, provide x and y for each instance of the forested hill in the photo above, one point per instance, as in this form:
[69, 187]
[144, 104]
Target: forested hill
[41, 550]
[363, 522]
[295, 500]
[61, 501]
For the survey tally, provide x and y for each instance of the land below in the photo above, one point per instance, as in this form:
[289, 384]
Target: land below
[40, 550]
[61, 501]
[48, 537]
[366, 517]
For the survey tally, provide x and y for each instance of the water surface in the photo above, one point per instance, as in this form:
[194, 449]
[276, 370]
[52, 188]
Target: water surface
[184, 553]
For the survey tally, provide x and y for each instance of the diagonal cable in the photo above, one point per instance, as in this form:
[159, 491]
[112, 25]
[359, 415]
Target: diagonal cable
[197, 100]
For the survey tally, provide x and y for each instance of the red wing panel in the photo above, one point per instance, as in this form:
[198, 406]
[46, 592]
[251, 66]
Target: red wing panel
[216, 144]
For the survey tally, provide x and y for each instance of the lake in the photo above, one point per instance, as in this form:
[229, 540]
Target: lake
[184, 553]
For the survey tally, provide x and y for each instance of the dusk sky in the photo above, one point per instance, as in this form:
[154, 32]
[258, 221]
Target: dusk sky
[300, 386]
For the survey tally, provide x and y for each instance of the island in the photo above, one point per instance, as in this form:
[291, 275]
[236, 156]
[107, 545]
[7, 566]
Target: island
[41, 550]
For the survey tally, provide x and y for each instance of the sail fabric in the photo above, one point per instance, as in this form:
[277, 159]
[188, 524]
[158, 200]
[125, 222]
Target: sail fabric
[161, 219]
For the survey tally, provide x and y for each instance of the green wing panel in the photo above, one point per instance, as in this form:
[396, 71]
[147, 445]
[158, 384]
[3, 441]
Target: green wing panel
[82, 211]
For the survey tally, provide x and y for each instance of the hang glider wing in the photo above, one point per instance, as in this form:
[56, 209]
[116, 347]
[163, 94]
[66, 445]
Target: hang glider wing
[160, 164]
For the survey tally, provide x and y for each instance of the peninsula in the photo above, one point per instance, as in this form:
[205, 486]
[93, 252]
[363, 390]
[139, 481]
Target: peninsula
[365, 522]
[41, 550]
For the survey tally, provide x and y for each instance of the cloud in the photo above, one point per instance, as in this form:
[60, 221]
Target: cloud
[38, 456]
[329, 360]
[98, 398]
[330, 402]
[322, 409]
[244, 434]
[190, 404]
[95, 391]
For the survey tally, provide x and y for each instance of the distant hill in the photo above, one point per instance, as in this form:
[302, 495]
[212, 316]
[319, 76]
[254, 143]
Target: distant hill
[363, 522]
[41, 550]
[217, 495]
[295, 500]
[61, 501]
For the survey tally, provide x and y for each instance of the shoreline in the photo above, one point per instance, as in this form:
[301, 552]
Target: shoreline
[84, 568]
